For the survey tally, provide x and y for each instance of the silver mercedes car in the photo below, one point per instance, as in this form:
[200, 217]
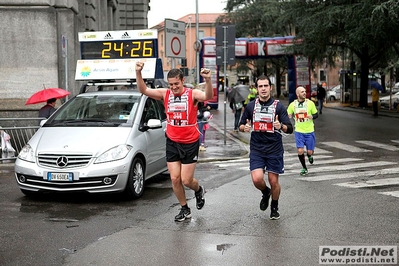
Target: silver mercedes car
[101, 141]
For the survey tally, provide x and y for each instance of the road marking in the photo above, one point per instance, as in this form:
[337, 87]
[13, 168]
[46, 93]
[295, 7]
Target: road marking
[387, 171]
[226, 163]
[378, 145]
[317, 149]
[317, 159]
[346, 167]
[396, 141]
[390, 193]
[371, 183]
[342, 146]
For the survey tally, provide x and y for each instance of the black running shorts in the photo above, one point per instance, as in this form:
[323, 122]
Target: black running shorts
[186, 153]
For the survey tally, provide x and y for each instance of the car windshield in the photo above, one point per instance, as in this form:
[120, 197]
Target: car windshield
[96, 110]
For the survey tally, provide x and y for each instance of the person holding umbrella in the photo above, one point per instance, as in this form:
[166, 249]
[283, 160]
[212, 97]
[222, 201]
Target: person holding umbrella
[375, 96]
[50, 96]
[237, 108]
[47, 110]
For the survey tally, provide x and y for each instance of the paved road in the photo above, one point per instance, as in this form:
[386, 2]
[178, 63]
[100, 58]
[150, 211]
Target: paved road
[231, 230]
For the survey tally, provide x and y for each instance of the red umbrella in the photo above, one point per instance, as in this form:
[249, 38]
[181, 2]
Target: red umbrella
[46, 94]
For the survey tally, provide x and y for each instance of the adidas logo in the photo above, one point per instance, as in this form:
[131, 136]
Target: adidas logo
[125, 35]
[108, 36]
[195, 158]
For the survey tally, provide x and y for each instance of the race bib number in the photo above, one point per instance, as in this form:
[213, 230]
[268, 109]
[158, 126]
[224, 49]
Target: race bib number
[262, 126]
[263, 122]
[177, 115]
[301, 117]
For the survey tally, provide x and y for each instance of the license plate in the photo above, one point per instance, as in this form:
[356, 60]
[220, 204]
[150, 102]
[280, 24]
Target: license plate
[59, 176]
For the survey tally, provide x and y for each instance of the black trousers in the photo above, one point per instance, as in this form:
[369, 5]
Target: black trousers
[375, 108]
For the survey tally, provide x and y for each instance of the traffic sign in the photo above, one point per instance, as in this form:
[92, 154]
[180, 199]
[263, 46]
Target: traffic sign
[175, 38]
[225, 40]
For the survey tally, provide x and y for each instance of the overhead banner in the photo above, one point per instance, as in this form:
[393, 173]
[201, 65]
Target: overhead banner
[113, 69]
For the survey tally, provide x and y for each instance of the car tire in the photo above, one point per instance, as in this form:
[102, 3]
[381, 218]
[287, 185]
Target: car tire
[331, 99]
[135, 183]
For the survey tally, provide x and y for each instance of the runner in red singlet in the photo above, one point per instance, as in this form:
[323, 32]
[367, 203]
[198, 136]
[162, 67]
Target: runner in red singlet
[182, 133]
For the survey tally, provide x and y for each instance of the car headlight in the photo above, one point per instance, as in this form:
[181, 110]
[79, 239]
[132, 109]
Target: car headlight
[27, 154]
[114, 154]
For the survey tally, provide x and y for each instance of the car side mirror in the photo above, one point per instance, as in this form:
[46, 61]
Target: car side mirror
[42, 122]
[151, 124]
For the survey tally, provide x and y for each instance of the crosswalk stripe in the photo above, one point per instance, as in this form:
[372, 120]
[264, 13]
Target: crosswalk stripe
[229, 162]
[320, 169]
[342, 146]
[318, 158]
[320, 162]
[390, 193]
[378, 145]
[317, 149]
[351, 175]
[370, 183]
[396, 141]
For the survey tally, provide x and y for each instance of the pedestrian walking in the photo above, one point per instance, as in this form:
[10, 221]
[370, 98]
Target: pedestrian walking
[321, 95]
[202, 120]
[375, 96]
[182, 133]
[47, 110]
[304, 113]
[267, 119]
[236, 108]
[208, 116]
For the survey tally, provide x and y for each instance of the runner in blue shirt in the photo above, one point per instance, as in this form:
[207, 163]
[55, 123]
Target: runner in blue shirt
[267, 120]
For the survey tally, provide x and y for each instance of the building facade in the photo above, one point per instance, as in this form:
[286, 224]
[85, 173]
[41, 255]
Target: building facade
[39, 40]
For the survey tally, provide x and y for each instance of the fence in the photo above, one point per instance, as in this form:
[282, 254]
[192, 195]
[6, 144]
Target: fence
[20, 131]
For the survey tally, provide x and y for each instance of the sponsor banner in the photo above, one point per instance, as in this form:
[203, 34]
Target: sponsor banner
[117, 35]
[302, 71]
[209, 48]
[241, 48]
[104, 69]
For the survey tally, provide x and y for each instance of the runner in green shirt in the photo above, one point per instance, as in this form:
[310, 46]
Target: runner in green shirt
[304, 112]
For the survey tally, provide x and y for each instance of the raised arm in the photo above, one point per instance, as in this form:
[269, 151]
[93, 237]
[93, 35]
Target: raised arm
[201, 96]
[157, 94]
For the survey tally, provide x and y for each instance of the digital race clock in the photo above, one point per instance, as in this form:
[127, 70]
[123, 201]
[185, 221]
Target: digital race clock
[112, 55]
[119, 44]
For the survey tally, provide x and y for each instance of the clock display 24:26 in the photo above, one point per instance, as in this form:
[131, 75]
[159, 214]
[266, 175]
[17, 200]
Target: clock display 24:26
[117, 49]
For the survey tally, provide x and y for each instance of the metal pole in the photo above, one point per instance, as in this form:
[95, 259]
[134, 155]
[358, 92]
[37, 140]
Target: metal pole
[343, 75]
[189, 64]
[224, 71]
[197, 39]
[66, 67]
